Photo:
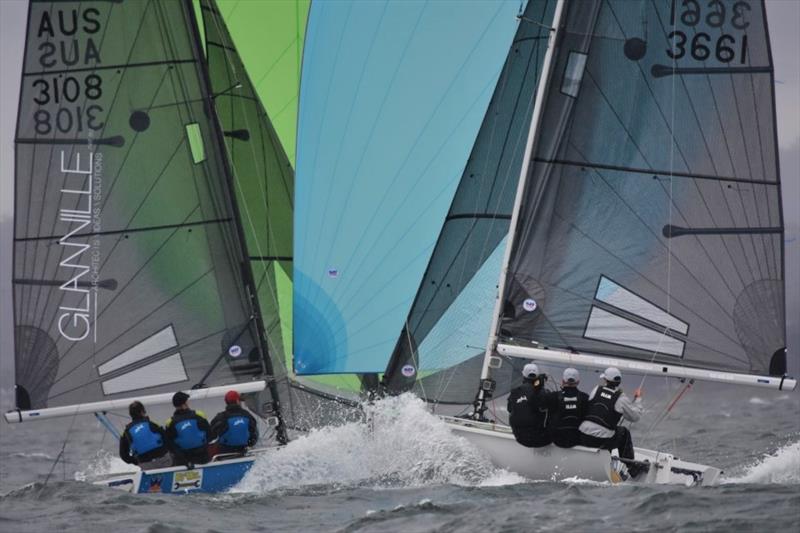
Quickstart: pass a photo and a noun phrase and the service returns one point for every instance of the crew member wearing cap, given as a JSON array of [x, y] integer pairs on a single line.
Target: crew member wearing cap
[[607, 406], [143, 442], [235, 428], [187, 432], [572, 405], [529, 407]]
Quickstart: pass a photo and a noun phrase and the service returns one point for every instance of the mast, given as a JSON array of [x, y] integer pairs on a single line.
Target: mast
[[246, 270], [533, 137]]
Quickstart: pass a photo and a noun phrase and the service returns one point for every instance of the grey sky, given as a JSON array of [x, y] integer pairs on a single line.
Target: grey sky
[[784, 19]]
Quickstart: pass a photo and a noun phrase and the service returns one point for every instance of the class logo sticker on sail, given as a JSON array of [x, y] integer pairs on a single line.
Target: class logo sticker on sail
[[235, 350], [529, 305], [408, 371]]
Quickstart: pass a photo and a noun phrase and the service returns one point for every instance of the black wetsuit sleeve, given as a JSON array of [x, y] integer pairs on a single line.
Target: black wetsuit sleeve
[[125, 448], [553, 401], [583, 402], [253, 431], [218, 426], [158, 429], [512, 400], [202, 423], [171, 435]]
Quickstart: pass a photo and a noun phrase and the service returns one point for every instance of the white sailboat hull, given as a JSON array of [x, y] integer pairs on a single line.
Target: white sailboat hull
[[554, 463]]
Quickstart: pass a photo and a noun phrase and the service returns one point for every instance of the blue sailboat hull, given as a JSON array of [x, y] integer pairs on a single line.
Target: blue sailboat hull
[[216, 476]]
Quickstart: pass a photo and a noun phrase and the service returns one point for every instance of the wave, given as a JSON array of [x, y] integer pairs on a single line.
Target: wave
[[780, 467], [400, 445], [101, 464]]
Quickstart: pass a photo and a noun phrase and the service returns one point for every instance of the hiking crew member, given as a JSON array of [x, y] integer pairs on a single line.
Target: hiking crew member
[[187, 432], [235, 428], [529, 407], [143, 443], [607, 406], [572, 405]]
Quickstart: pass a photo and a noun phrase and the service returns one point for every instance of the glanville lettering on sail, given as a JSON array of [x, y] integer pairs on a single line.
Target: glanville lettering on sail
[[75, 320]]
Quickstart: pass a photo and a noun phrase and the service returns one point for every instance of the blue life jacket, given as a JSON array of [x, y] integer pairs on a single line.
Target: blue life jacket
[[143, 439], [188, 434], [237, 433]]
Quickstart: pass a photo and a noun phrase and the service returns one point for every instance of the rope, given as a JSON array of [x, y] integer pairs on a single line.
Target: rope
[[668, 409]]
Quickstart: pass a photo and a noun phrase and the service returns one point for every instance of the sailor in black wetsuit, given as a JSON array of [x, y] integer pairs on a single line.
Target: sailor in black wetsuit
[[572, 404], [235, 428], [607, 406], [187, 432], [529, 407], [143, 443]]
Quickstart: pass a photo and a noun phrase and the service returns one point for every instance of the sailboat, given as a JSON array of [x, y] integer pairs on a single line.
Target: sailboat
[[153, 218], [646, 231]]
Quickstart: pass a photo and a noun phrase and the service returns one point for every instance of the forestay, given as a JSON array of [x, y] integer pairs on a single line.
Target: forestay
[[392, 97], [441, 345], [127, 261], [651, 224]]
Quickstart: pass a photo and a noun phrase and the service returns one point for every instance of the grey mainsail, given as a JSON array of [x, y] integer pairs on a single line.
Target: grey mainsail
[[440, 349], [128, 273], [651, 225]]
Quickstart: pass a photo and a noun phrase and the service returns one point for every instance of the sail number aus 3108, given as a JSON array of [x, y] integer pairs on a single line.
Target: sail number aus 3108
[[714, 14], [64, 91]]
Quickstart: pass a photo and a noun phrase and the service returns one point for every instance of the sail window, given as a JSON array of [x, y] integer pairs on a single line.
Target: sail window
[[196, 142], [607, 327], [573, 74], [156, 343], [618, 296], [163, 372]]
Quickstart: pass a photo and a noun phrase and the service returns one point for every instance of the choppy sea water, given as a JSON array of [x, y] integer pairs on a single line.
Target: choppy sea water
[[405, 472]]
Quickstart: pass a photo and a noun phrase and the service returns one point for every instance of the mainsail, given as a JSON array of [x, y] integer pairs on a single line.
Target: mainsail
[[445, 333], [651, 225], [128, 260], [392, 97]]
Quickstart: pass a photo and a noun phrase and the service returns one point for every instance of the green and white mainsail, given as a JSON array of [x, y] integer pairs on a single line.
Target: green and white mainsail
[[392, 98], [443, 339], [130, 275]]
